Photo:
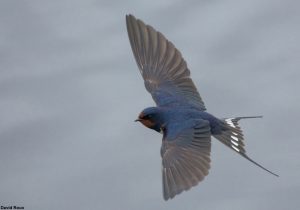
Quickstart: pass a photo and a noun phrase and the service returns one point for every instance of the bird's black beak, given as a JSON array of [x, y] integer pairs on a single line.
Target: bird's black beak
[[137, 120]]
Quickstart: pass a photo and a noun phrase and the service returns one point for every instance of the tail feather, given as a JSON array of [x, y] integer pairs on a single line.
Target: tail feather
[[232, 136]]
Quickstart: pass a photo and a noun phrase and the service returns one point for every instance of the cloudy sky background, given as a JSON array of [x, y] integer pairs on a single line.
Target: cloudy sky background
[[70, 90]]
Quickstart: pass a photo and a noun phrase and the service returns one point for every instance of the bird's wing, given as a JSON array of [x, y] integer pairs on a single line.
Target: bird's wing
[[164, 70], [185, 157]]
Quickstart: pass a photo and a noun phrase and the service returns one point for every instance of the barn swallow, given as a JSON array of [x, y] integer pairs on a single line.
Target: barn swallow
[[180, 114]]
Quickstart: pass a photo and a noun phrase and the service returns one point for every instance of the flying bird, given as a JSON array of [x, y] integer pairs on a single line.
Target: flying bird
[[180, 114]]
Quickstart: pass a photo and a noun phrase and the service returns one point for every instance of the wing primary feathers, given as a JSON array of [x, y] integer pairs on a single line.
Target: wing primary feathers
[[162, 66], [185, 159]]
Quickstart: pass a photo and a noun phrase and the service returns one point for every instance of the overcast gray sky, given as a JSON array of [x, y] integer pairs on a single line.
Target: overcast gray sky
[[70, 90]]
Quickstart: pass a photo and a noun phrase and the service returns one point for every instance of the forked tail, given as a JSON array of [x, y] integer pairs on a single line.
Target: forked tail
[[232, 136]]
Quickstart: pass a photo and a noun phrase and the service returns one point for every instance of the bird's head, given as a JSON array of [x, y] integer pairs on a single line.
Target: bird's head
[[151, 118]]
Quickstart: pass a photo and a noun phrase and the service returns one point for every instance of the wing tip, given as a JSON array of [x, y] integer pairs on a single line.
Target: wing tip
[[130, 19], [129, 16]]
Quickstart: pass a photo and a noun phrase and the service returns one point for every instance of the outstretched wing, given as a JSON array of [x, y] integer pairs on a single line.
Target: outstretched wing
[[185, 157], [164, 70]]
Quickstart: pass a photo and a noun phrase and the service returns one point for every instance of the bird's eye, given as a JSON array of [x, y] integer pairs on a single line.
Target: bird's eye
[[149, 116]]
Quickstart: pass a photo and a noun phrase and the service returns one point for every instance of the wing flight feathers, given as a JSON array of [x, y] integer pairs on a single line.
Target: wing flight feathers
[[164, 71]]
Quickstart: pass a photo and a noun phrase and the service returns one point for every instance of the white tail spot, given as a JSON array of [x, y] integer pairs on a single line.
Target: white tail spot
[[234, 133], [229, 122], [234, 138], [235, 148], [235, 143]]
